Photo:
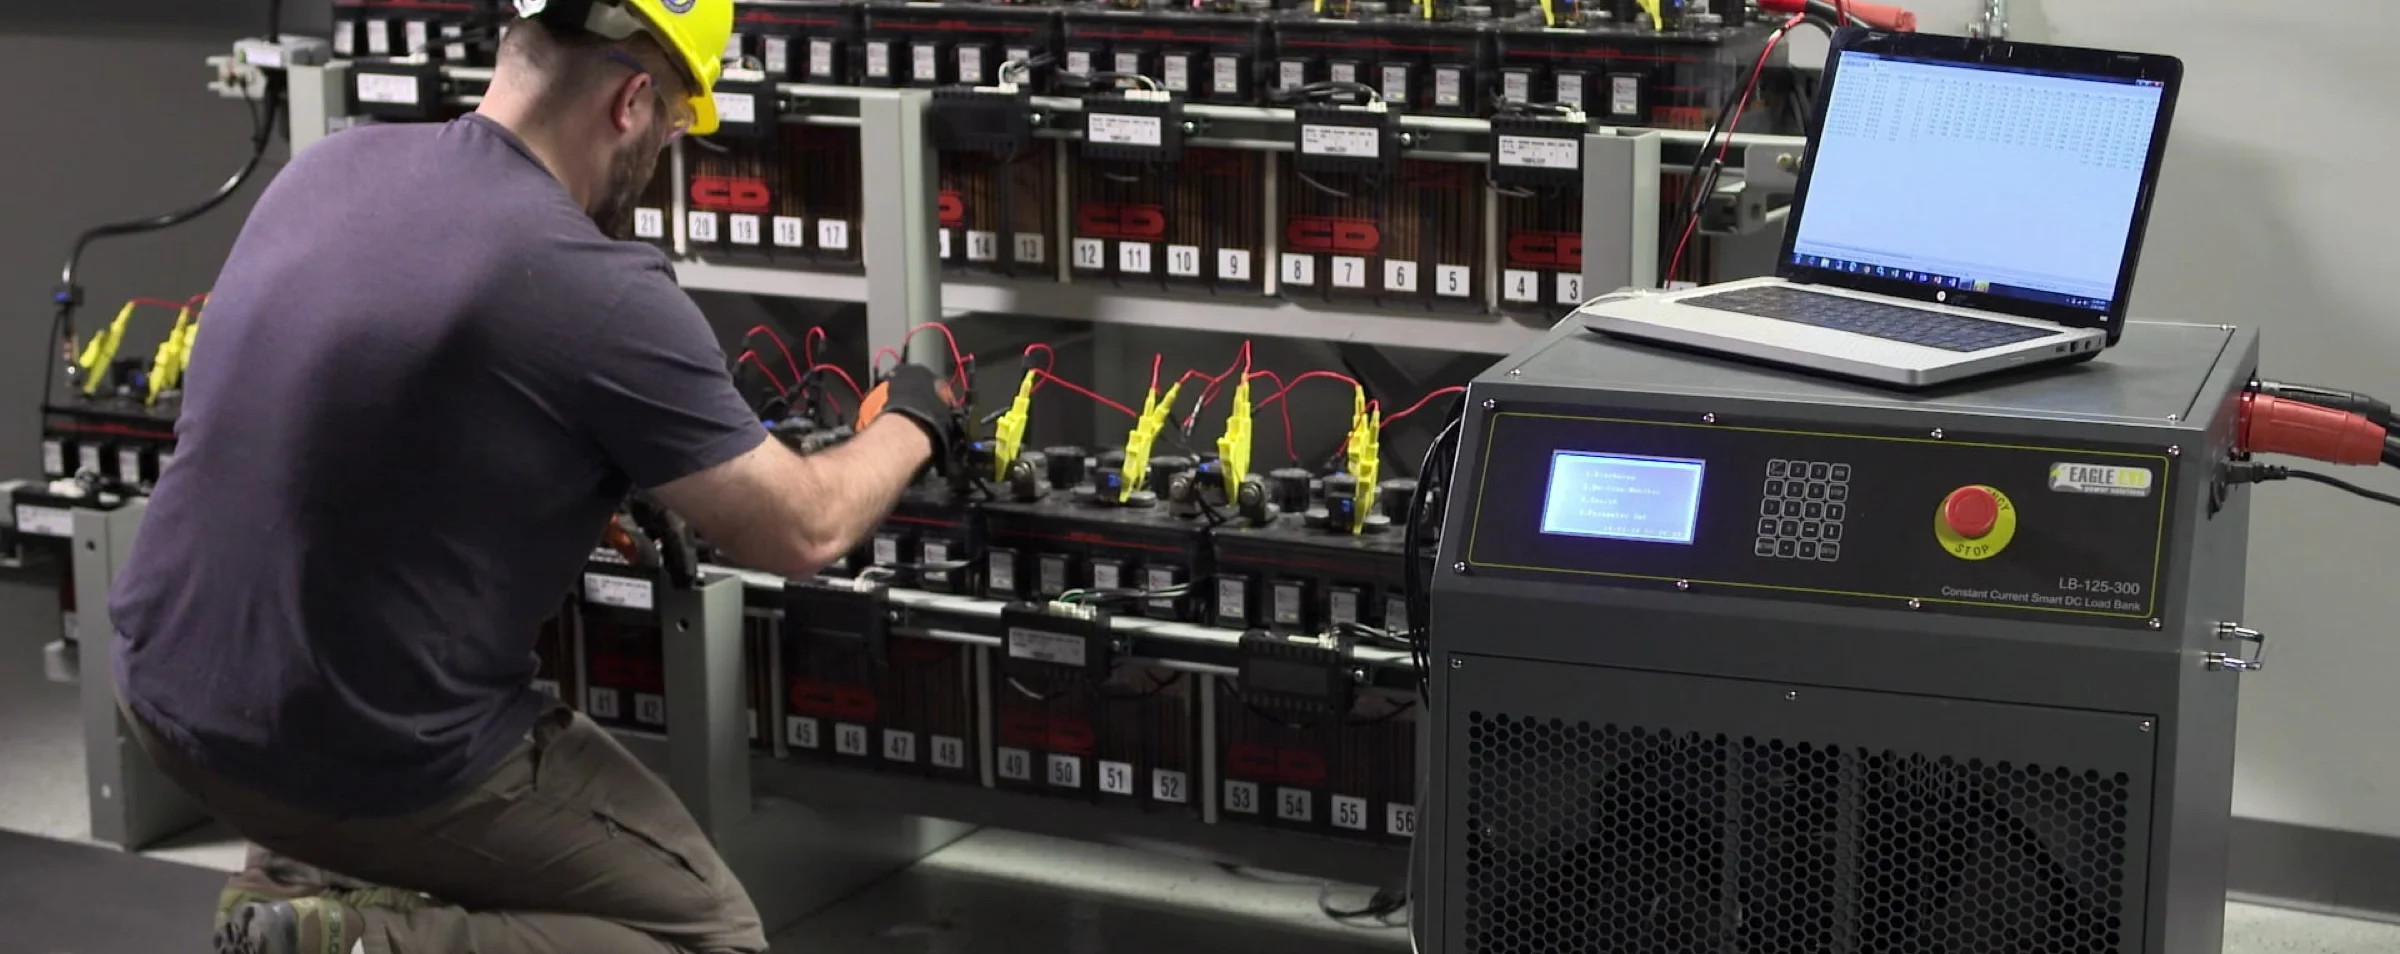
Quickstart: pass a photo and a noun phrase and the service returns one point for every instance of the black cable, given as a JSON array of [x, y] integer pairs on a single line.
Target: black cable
[[2391, 451], [1694, 192], [1384, 903], [2341, 485], [1432, 478]]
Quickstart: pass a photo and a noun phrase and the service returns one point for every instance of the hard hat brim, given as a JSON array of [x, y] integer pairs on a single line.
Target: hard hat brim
[[704, 115]]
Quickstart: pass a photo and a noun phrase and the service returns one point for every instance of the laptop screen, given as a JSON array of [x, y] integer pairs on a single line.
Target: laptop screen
[[2010, 182]]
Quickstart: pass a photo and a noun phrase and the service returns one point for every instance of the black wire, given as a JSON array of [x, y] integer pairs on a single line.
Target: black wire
[[2391, 451], [1414, 585], [1694, 191], [2343, 485], [1384, 903]]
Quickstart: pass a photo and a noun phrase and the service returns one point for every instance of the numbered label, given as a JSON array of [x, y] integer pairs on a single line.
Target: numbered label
[[983, 246], [1107, 575], [1299, 269], [1001, 574], [1570, 289], [1295, 805], [1400, 820], [1400, 277], [1183, 261], [129, 465], [1453, 281], [379, 38], [1232, 602], [899, 746], [1116, 778], [605, 590], [820, 59], [1350, 812], [800, 732], [1066, 771], [419, 37], [650, 223], [945, 253], [1241, 797], [949, 752], [887, 550], [849, 739], [1169, 786], [1016, 765], [1091, 254], [776, 55], [1521, 285], [700, 226], [1031, 250], [387, 88], [744, 229], [1133, 258], [1349, 271], [1233, 264], [649, 708], [790, 232], [602, 703], [833, 235], [547, 687]]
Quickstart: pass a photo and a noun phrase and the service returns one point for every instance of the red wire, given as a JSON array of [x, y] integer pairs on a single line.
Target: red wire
[[196, 300], [161, 303], [1692, 222], [815, 334], [1421, 402], [779, 346], [1045, 349], [844, 375], [752, 357], [1079, 389], [1155, 358], [1841, 13], [1287, 389], [958, 362], [1288, 449]]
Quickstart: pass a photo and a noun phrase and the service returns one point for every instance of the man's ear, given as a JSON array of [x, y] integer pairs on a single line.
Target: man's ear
[[632, 94]]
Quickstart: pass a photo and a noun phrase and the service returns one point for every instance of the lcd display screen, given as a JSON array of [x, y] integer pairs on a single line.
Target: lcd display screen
[[1620, 497]]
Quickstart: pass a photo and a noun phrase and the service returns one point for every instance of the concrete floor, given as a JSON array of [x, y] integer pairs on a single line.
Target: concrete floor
[[993, 893]]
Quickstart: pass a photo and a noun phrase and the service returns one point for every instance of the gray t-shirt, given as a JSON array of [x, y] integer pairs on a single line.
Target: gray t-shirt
[[424, 380]]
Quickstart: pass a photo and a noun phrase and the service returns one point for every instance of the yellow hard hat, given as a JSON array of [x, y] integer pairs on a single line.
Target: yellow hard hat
[[694, 32]]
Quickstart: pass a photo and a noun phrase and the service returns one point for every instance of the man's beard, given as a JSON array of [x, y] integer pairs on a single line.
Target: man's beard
[[629, 173]]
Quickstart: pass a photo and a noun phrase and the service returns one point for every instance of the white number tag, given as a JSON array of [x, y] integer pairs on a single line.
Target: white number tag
[[945, 253], [1400, 276], [1183, 261], [1133, 257], [1570, 289], [1066, 771], [949, 752], [743, 228], [1091, 253], [776, 52], [820, 59], [833, 235], [1349, 271], [1453, 281], [899, 746], [1030, 248], [650, 223], [129, 465], [887, 550], [617, 591], [1295, 804], [379, 38], [1350, 812], [1521, 285], [419, 37], [601, 703], [700, 226], [387, 88], [649, 708], [1016, 765], [983, 246], [800, 732], [1299, 269], [1116, 778], [1400, 820], [1241, 797], [790, 232], [1231, 597], [1233, 264], [1167, 786], [849, 739]]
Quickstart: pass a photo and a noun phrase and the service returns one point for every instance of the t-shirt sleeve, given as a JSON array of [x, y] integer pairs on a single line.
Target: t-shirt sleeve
[[655, 392]]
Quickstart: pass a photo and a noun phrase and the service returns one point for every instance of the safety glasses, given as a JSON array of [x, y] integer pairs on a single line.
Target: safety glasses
[[677, 110]]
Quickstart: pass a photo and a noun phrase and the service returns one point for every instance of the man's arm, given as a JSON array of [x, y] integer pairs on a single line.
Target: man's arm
[[781, 512]]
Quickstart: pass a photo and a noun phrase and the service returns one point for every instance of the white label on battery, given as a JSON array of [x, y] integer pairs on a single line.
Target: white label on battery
[[1299, 268], [606, 590], [1002, 573], [1625, 96], [791, 231], [1395, 613], [600, 702], [800, 732], [1107, 575], [733, 48], [379, 38], [849, 739], [833, 235], [1342, 73], [54, 458], [935, 551], [1539, 152], [879, 59], [775, 54], [924, 62], [1118, 129], [1169, 786], [1133, 258], [1183, 261], [1400, 276], [970, 64], [1519, 284], [700, 226], [1453, 281], [1039, 646], [1288, 604], [87, 459], [1241, 797], [1225, 75], [1292, 74], [820, 59], [1349, 271], [649, 708], [1175, 72], [45, 521], [1570, 288], [129, 465], [1350, 811], [1231, 595], [743, 229], [1016, 765], [387, 88], [1395, 85], [1233, 264], [899, 745], [1031, 249], [949, 752], [1341, 606], [1066, 771], [1400, 820], [1295, 804], [1091, 253], [419, 37], [1129, 63], [547, 687], [650, 223], [345, 38], [1517, 85], [1079, 61], [1356, 142], [1116, 778], [1447, 81], [1569, 89], [736, 108], [452, 34], [606, 555], [1160, 578], [1054, 574], [887, 549]]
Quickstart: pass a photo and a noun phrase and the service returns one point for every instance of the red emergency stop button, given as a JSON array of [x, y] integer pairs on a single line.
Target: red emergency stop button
[[1971, 512]]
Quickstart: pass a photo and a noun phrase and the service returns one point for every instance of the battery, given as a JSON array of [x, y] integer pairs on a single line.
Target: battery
[[651, 210], [624, 652], [1073, 721], [916, 44], [1675, 79], [800, 41], [1060, 543], [1449, 55], [1197, 224], [1414, 241], [817, 213], [558, 671], [731, 204], [1344, 767], [996, 213]]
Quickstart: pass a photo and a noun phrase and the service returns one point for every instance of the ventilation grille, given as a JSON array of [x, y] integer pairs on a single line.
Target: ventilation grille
[[1584, 837]]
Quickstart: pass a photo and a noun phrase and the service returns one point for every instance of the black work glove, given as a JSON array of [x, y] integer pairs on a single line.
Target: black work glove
[[913, 392]]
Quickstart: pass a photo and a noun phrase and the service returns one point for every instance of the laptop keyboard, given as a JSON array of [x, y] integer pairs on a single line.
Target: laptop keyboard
[[1915, 326]]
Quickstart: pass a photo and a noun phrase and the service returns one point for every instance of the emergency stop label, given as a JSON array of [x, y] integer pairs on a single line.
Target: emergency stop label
[[2101, 481]]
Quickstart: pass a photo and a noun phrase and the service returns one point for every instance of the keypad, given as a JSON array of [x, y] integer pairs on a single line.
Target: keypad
[[1801, 509]]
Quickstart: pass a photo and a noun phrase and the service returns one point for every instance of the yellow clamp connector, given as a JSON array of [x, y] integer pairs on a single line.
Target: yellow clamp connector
[[1145, 433], [174, 355], [102, 349], [1364, 455], [1233, 448], [1008, 436]]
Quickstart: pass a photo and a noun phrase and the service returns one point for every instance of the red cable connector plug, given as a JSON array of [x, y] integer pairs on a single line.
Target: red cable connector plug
[[2272, 425], [1877, 15]]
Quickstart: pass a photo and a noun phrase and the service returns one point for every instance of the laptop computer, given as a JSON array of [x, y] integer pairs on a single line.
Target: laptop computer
[[1967, 206]]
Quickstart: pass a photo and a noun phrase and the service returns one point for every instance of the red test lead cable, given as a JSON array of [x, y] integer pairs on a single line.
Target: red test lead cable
[[2273, 425]]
